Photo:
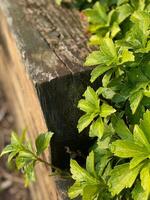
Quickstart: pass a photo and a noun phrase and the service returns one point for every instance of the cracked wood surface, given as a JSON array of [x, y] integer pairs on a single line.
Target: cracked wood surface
[[41, 70], [50, 38], [21, 95]]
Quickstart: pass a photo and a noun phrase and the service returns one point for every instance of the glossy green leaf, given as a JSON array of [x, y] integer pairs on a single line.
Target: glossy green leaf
[[122, 177], [97, 128], [86, 106], [107, 54], [23, 159], [138, 193], [15, 138], [123, 12], [137, 160], [98, 71], [81, 175], [97, 14], [122, 130], [145, 125], [135, 100], [90, 165], [140, 137], [8, 149], [42, 142], [75, 190], [84, 121], [91, 192], [126, 56], [106, 110], [106, 78], [127, 149], [145, 178], [91, 96]]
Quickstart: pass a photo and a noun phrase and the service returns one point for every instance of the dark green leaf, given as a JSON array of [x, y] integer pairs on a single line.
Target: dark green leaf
[[138, 193], [135, 100]]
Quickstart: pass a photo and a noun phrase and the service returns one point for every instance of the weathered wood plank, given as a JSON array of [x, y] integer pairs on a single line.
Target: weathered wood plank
[[44, 57], [21, 93]]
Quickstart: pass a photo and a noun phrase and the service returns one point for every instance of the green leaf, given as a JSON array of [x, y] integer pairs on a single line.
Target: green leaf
[[102, 164], [94, 58], [122, 177], [86, 106], [142, 18], [97, 128], [91, 192], [108, 93], [8, 149], [122, 130], [127, 149], [138, 193], [15, 138], [140, 138], [98, 71], [97, 14], [145, 178], [81, 175], [23, 159], [119, 2], [123, 12], [126, 56], [90, 165], [29, 173], [91, 96], [84, 121], [106, 78], [136, 160], [145, 124], [75, 190], [12, 155], [107, 54], [135, 100], [115, 29], [106, 110], [42, 142]]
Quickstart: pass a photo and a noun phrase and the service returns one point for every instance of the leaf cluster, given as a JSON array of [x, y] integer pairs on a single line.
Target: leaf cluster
[[120, 158], [25, 156]]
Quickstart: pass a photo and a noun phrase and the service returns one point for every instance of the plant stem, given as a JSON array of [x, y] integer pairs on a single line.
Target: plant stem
[[45, 162]]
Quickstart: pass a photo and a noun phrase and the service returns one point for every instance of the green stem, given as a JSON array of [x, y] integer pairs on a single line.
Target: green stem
[[45, 162]]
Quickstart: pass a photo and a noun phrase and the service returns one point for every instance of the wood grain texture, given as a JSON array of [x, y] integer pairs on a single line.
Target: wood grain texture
[[21, 95], [41, 67]]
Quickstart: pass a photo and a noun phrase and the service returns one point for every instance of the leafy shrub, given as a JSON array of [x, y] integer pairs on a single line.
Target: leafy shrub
[[117, 113], [118, 166]]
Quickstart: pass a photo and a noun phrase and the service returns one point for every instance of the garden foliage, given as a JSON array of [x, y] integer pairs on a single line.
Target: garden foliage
[[116, 113]]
